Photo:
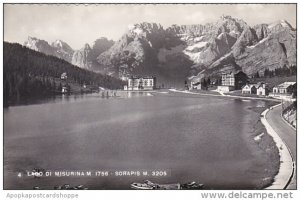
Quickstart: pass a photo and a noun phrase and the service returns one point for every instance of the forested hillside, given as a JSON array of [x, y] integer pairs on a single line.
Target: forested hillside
[[29, 74]]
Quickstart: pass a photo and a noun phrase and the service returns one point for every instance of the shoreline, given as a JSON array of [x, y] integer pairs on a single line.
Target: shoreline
[[258, 111], [286, 162], [287, 166], [224, 95]]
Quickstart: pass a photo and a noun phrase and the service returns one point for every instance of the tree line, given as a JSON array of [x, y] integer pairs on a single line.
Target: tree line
[[27, 74], [278, 72]]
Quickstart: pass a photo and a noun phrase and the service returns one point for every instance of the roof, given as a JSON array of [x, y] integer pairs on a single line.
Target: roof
[[256, 85], [259, 84], [232, 72], [144, 77], [198, 83], [286, 84], [227, 74], [195, 79], [237, 73], [265, 88], [250, 85]]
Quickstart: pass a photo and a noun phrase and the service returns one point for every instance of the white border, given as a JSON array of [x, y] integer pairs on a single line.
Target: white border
[[132, 195]]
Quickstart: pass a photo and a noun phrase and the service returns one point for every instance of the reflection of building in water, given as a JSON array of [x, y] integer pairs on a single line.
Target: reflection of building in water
[[141, 83], [64, 89]]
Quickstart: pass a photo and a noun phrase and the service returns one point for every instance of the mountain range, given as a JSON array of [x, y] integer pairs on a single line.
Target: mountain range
[[84, 58], [187, 51]]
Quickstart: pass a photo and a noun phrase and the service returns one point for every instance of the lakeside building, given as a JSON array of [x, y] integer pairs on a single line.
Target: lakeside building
[[259, 89], [284, 90], [232, 81], [64, 76], [262, 89], [248, 89], [141, 83], [196, 84]]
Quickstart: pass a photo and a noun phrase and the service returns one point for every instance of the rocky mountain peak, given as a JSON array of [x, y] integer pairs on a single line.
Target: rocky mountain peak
[[86, 57], [81, 58], [33, 42], [58, 48], [228, 24], [225, 17], [145, 26], [63, 50], [39, 45], [86, 47], [59, 44], [31, 39], [142, 30]]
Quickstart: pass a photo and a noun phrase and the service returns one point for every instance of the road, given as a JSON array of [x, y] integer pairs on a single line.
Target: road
[[286, 133], [224, 95]]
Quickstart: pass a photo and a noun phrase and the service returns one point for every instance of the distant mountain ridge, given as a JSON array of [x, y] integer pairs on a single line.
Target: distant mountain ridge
[[84, 58], [58, 48], [186, 51]]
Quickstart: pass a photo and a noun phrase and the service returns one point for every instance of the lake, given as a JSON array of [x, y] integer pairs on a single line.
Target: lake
[[189, 137]]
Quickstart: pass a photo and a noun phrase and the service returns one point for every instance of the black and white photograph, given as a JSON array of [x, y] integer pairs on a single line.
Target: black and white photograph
[[150, 96]]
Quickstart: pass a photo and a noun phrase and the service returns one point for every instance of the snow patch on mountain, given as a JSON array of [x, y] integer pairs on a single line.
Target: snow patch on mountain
[[197, 45], [195, 57], [255, 45]]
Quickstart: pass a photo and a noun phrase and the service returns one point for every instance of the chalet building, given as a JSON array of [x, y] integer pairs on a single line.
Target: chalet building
[[228, 79], [64, 76], [249, 89], [233, 81], [141, 83], [284, 88], [258, 89], [196, 84], [262, 89]]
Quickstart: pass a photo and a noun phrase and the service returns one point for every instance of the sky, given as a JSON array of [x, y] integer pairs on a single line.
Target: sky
[[80, 24]]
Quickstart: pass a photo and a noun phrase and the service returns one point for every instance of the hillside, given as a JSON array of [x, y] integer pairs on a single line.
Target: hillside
[[28, 74]]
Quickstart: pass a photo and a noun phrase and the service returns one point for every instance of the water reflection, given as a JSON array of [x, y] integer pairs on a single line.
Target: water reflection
[[68, 98]]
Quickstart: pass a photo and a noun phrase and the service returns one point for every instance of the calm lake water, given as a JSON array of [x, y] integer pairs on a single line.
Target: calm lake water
[[203, 139]]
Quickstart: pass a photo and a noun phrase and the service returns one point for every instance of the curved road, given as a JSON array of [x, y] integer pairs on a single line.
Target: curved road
[[287, 134]]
